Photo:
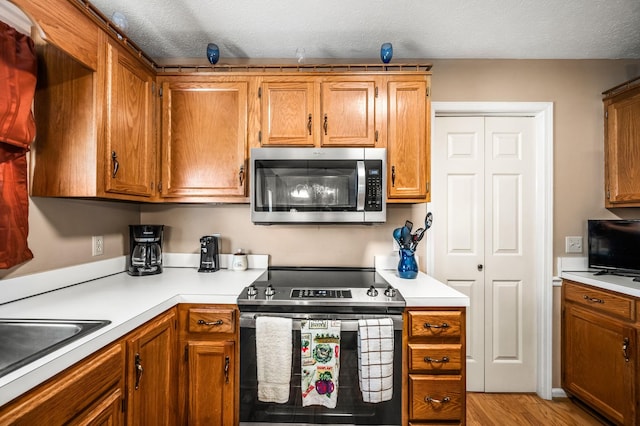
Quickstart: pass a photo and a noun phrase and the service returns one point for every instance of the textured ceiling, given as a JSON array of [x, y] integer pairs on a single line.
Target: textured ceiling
[[523, 29]]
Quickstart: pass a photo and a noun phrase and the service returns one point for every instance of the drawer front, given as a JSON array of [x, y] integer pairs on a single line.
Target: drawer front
[[435, 358], [435, 324], [603, 301], [436, 397], [211, 320]]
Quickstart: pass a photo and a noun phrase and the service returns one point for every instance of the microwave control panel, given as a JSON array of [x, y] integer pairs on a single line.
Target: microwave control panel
[[374, 196]]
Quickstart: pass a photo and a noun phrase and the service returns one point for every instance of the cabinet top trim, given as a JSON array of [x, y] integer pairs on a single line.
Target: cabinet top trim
[[288, 65], [620, 88]]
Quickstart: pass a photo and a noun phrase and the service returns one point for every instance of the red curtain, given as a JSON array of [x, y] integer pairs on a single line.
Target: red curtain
[[18, 75]]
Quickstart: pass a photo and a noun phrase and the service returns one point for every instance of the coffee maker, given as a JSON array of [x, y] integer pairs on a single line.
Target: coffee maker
[[209, 253], [145, 249]]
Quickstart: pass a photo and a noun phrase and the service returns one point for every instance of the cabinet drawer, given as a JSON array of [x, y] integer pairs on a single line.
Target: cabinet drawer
[[435, 358], [613, 304], [211, 320], [436, 397], [435, 324]]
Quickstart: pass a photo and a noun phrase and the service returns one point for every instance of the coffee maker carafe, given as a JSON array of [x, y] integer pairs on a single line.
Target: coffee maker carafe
[[145, 249]]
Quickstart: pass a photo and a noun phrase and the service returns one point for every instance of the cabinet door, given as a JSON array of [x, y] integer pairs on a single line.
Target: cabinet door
[[204, 139], [287, 113], [151, 373], [622, 150], [129, 136], [211, 386], [407, 141], [348, 113], [599, 364]]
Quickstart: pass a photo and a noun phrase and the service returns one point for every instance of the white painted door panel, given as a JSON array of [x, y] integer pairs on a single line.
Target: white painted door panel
[[483, 192]]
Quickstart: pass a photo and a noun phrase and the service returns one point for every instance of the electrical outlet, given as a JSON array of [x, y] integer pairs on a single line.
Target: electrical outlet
[[97, 245], [573, 245]]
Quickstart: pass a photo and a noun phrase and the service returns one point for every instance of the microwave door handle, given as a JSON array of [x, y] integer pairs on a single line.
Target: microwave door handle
[[362, 186]]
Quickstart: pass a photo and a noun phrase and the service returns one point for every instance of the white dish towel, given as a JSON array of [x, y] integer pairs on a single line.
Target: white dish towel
[[375, 359], [274, 347]]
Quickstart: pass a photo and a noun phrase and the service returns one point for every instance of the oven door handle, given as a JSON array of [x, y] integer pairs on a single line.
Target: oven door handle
[[248, 320]]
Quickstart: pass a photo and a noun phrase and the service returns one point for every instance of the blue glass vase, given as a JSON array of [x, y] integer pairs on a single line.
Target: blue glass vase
[[213, 53], [386, 52], [407, 266]]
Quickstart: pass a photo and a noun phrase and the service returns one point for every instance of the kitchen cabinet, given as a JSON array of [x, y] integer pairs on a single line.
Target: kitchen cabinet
[[88, 393], [209, 379], [599, 350], [408, 139], [129, 137], [326, 111], [95, 133], [434, 366], [622, 145], [151, 372], [204, 138]]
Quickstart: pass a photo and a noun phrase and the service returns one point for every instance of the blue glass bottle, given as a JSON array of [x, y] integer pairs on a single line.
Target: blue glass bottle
[[213, 53], [407, 266], [386, 52]]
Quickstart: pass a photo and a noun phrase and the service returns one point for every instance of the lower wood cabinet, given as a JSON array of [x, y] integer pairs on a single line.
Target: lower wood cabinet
[[600, 351], [88, 393], [209, 379], [434, 367], [151, 373]]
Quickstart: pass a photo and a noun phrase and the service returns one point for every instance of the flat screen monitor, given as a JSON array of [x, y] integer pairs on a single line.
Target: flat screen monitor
[[614, 246]]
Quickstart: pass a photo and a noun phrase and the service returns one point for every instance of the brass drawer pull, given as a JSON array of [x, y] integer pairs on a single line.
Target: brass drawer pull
[[441, 361], [593, 299], [444, 325], [203, 322], [429, 400]]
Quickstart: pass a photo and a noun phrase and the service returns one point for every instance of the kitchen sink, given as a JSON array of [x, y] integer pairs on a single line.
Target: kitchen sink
[[24, 340]]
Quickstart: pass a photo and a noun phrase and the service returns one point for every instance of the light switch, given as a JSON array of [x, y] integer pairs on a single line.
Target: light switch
[[573, 245]]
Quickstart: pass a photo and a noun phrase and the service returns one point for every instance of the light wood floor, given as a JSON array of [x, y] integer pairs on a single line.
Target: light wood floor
[[485, 409]]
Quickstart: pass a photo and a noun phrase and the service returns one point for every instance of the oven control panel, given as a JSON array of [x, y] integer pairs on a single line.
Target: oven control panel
[[311, 293]]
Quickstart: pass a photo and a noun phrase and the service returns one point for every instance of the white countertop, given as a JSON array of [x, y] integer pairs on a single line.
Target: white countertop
[[129, 302], [624, 285]]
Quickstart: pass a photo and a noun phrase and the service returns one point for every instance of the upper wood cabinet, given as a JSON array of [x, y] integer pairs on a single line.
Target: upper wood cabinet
[[204, 138], [328, 111], [408, 154], [129, 138], [622, 145]]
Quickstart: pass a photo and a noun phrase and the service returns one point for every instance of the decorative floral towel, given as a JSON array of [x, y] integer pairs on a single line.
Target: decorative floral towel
[[320, 361], [375, 359]]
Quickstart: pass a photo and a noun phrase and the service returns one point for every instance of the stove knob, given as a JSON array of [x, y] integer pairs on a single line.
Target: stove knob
[[372, 292], [390, 292], [269, 291], [252, 290]]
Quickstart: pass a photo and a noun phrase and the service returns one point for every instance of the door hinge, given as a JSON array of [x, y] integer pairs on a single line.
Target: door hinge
[[123, 405], [153, 88], [608, 194], [160, 91], [260, 136], [606, 114], [259, 92], [160, 186], [428, 91], [376, 136], [376, 92], [186, 353], [427, 187]]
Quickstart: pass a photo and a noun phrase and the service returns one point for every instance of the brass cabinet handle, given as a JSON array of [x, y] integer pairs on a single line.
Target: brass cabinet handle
[[309, 125], [226, 369], [139, 370], [116, 165], [241, 175], [438, 401], [592, 299], [393, 175], [625, 349], [444, 325], [325, 125], [444, 359], [217, 322]]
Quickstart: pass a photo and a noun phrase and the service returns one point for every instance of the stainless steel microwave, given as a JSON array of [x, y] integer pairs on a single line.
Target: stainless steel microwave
[[318, 185]]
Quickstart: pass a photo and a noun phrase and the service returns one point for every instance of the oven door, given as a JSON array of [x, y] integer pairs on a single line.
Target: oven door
[[350, 408]]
